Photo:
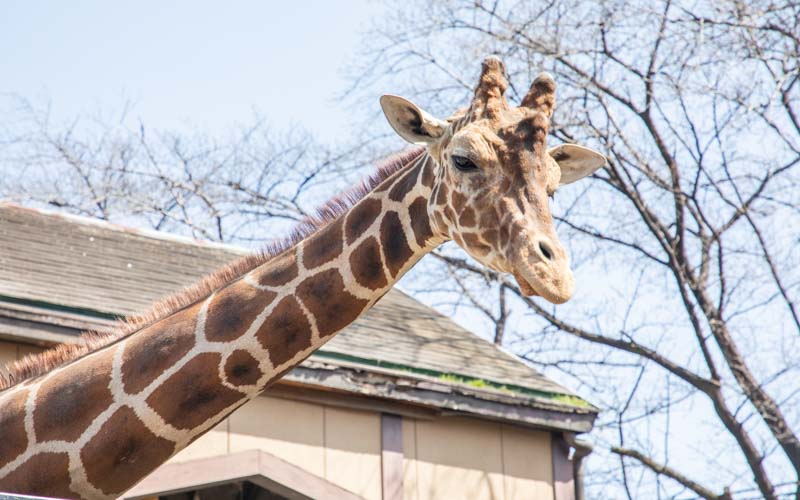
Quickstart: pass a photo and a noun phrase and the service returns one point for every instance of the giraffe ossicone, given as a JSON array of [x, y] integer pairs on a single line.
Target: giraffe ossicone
[[92, 420]]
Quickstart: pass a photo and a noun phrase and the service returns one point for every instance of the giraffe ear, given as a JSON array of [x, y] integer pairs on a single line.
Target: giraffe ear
[[410, 122], [576, 162]]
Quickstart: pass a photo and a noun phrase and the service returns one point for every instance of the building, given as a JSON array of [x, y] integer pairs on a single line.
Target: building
[[403, 404]]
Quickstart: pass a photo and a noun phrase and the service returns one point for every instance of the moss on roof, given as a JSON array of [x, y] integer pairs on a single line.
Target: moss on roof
[[457, 378]]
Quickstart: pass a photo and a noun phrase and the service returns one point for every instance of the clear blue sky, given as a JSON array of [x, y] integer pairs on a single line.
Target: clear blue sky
[[207, 65]]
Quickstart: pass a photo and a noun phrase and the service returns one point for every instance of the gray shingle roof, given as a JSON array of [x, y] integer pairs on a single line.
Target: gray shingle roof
[[105, 269]]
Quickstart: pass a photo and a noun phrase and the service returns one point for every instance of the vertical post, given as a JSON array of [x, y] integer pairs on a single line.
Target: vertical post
[[392, 456], [563, 474]]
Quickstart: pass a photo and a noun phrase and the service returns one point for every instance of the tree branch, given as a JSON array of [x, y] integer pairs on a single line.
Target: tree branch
[[671, 473]]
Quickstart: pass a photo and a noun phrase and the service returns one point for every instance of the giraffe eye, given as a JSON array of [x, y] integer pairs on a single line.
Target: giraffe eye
[[464, 164]]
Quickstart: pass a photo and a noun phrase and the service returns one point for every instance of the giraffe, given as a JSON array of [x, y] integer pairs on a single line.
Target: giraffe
[[93, 420]]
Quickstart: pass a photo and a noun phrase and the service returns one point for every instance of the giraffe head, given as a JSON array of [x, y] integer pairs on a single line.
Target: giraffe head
[[493, 175]]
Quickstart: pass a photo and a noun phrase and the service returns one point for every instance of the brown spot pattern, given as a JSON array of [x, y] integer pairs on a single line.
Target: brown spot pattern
[[458, 201], [489, 218], [278, 271], [68, 401], [449, 213], [148, 353], [475, 244], [393, 241], [325, 297], [491, 236], [122, 452], [361, 217], [233, 309], [404, 185], [241, 368], [420, 222], [441, 195], [427, 178], [324, 246], [193, 394], [12, 426], [467, 217], [385, 184], [366, 265], [439, 218], [285, 332], [44, 474]]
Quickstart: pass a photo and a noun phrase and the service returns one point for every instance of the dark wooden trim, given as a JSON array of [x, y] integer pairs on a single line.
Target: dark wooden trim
[[563, 473], [31, 333], [286, 388], [392, 456], [42, 327], [448, 399], [256, 466]]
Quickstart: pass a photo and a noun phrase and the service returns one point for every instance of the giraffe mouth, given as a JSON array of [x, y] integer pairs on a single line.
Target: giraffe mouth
[[525, 287], [553, 287]]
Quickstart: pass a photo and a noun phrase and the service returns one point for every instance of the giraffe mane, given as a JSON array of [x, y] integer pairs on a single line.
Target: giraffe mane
[[33, 365]]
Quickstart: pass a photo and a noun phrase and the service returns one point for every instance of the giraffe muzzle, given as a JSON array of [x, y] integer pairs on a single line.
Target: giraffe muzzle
[[542, 268]]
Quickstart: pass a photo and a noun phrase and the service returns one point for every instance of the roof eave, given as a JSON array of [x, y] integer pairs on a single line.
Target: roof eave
[[446, 399]]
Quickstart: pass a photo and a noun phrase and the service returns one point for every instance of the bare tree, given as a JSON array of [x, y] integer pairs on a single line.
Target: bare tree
[[686, 329], [246, 188]]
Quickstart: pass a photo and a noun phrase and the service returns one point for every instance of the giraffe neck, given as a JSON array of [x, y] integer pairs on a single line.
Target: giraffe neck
[[95, 427]]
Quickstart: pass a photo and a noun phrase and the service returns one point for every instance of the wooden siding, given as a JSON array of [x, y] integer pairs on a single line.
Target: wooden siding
[[442, 457], [466, 458]]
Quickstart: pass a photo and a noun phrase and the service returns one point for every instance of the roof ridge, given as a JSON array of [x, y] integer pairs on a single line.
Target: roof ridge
[[144, 232]]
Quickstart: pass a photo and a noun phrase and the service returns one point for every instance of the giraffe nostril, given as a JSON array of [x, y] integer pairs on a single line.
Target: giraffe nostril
[[548, 254]]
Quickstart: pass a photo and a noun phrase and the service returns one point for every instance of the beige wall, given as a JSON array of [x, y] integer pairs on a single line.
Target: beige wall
[[340, 445], [445, 458], [473, 459]]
